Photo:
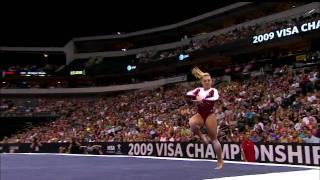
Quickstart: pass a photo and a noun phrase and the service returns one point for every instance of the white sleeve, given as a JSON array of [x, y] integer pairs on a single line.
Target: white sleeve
[[191, 93], [214, 97]]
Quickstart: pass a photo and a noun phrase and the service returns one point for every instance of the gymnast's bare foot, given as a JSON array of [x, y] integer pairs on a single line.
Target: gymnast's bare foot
[[219, 164]]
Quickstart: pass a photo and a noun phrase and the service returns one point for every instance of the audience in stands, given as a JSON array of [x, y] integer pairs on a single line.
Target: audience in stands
[[280, 107]]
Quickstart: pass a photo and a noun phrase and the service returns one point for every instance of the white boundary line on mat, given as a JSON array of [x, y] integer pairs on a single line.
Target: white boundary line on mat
[[292, 175], [169, 158]]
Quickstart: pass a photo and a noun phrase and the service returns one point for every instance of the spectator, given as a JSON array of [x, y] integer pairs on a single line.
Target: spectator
[[310, 138], [295, 138], [247, 149], [35, 145]]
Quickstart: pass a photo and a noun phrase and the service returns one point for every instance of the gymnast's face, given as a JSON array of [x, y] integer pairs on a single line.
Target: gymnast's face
[[206, 82]]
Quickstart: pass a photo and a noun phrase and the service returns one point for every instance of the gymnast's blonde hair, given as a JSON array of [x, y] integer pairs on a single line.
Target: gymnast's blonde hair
[[198, 73]]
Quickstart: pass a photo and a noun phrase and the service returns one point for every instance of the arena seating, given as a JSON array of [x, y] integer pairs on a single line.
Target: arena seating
[[279, 107]]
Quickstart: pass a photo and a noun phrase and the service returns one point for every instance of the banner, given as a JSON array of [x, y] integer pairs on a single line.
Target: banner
[[286, 32], [298, 154], [303, 154]]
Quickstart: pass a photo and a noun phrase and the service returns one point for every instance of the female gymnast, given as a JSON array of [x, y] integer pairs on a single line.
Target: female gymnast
[[204, 98]]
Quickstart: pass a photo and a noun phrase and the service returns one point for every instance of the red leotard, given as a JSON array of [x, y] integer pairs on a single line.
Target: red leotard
[[208, 97]]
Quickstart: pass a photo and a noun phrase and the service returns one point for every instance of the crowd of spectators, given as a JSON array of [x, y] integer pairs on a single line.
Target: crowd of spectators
[[31, 107], [281, 107]]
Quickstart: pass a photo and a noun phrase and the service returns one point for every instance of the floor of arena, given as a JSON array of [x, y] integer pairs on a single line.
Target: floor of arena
[[84, 167]]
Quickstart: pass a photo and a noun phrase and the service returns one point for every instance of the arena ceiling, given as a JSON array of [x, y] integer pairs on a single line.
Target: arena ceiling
[[55, 24]]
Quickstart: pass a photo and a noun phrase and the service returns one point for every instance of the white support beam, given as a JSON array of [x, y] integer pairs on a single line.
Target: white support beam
[[69, 52]]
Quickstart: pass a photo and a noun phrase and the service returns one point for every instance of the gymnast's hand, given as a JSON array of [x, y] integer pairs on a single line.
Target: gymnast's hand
[[198, 100]]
